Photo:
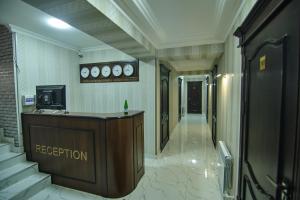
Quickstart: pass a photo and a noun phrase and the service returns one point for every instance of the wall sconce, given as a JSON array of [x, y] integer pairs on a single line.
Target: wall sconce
[[228, 75], [218, 75]]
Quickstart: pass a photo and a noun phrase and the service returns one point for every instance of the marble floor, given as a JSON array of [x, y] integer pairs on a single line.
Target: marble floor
[[185, 170]]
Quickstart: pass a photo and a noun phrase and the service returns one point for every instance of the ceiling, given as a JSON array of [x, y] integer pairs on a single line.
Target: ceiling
[[178, 23], [192, 58], [20, 14], [90, 18], [188, 34]]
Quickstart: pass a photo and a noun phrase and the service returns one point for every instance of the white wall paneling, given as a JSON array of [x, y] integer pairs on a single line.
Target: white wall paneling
[[229, 93], [42, 63], [173, 100]]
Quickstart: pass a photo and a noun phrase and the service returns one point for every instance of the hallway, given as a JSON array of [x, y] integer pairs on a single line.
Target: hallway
[[185, 170]]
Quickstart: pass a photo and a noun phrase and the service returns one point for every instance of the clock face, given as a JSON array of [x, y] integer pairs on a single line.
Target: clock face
[[128, 70], [105, 71], [84, 72], [95, 71], [117, 70]]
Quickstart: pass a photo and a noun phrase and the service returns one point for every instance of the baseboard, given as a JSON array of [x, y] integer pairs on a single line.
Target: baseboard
[[150, 156]]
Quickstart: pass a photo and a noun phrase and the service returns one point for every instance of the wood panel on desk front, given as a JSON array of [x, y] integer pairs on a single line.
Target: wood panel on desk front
[[57, 131], [138, 147], [119, 141], [62, 151], [112, 144]]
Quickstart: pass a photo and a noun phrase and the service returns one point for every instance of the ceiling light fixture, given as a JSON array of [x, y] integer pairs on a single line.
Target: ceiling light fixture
[[219, 75], [57, 23]]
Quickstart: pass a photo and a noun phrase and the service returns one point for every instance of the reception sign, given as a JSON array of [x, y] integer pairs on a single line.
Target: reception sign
[[64, 151]]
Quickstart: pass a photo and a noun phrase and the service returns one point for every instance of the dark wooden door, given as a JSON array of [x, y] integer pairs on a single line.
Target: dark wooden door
[[214, 106], [179, 99], [207, 84], [269, 103], [164, 106], [265, 90], [194, 97]]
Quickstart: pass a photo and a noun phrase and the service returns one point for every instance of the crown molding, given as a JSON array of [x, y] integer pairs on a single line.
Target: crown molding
[[120, 6], [152, 22], [192, 75], [97, 48], [26, 32], [234, 20], [192, 41], [219, 12], [146, 11]]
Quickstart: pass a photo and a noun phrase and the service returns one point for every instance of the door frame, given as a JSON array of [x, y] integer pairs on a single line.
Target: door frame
[[214, 105], [164, 74], [179, 99], [207, 99]]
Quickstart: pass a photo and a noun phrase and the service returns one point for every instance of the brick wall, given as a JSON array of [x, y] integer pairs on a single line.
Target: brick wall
[[8, 114]]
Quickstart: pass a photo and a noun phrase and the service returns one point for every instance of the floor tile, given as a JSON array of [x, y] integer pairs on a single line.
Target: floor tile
[[185, 170]]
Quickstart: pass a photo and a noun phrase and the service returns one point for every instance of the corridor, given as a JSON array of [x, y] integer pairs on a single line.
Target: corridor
[[185, 170]]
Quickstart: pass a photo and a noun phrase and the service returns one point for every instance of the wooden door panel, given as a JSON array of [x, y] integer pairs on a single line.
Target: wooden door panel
[[248, 189], [265, 91], [195, 97], [214, 105]]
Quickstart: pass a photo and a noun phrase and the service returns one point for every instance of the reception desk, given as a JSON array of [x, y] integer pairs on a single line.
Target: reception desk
[[96, 153]]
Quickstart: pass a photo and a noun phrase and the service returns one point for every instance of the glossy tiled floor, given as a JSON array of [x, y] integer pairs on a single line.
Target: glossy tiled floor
[[186, 169]]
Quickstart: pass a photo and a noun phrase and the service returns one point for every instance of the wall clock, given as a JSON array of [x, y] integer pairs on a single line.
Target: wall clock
[[105, 71], [128, 70], [117, 70], [95, 71], [84, 72]]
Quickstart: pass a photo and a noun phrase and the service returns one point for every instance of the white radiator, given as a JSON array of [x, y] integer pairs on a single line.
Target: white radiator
[[224, 168]]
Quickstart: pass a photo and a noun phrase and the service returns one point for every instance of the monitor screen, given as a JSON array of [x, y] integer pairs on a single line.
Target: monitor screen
[[51, 97]]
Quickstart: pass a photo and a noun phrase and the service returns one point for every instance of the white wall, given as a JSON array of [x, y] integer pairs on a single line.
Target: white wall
[[229, 93], [204, 91], [109, 97], [209, 104], [173, 100], [42, 63]]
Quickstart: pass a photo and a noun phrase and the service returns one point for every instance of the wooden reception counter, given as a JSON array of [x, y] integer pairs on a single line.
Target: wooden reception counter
[[97, 153]]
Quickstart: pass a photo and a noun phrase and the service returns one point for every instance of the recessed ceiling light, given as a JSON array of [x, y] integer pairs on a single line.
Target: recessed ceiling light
[[57, 23]]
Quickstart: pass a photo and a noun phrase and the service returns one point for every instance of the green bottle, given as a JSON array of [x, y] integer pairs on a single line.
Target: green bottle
[[126, 107]]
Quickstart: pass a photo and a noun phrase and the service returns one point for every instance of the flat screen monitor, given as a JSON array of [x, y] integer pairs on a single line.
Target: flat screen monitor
[[51, 97]]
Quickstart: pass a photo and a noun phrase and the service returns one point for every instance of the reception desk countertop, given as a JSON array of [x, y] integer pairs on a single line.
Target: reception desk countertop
[[117, 115]]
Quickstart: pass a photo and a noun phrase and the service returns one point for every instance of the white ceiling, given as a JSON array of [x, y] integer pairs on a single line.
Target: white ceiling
[[192, 58], [178, 28], [178, 23], [20, 14]]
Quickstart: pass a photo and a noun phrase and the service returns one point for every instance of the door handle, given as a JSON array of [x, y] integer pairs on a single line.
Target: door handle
[[284, 187], [285, 192]]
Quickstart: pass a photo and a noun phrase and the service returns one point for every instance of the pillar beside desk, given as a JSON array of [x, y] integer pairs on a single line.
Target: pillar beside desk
[[101, 154]]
